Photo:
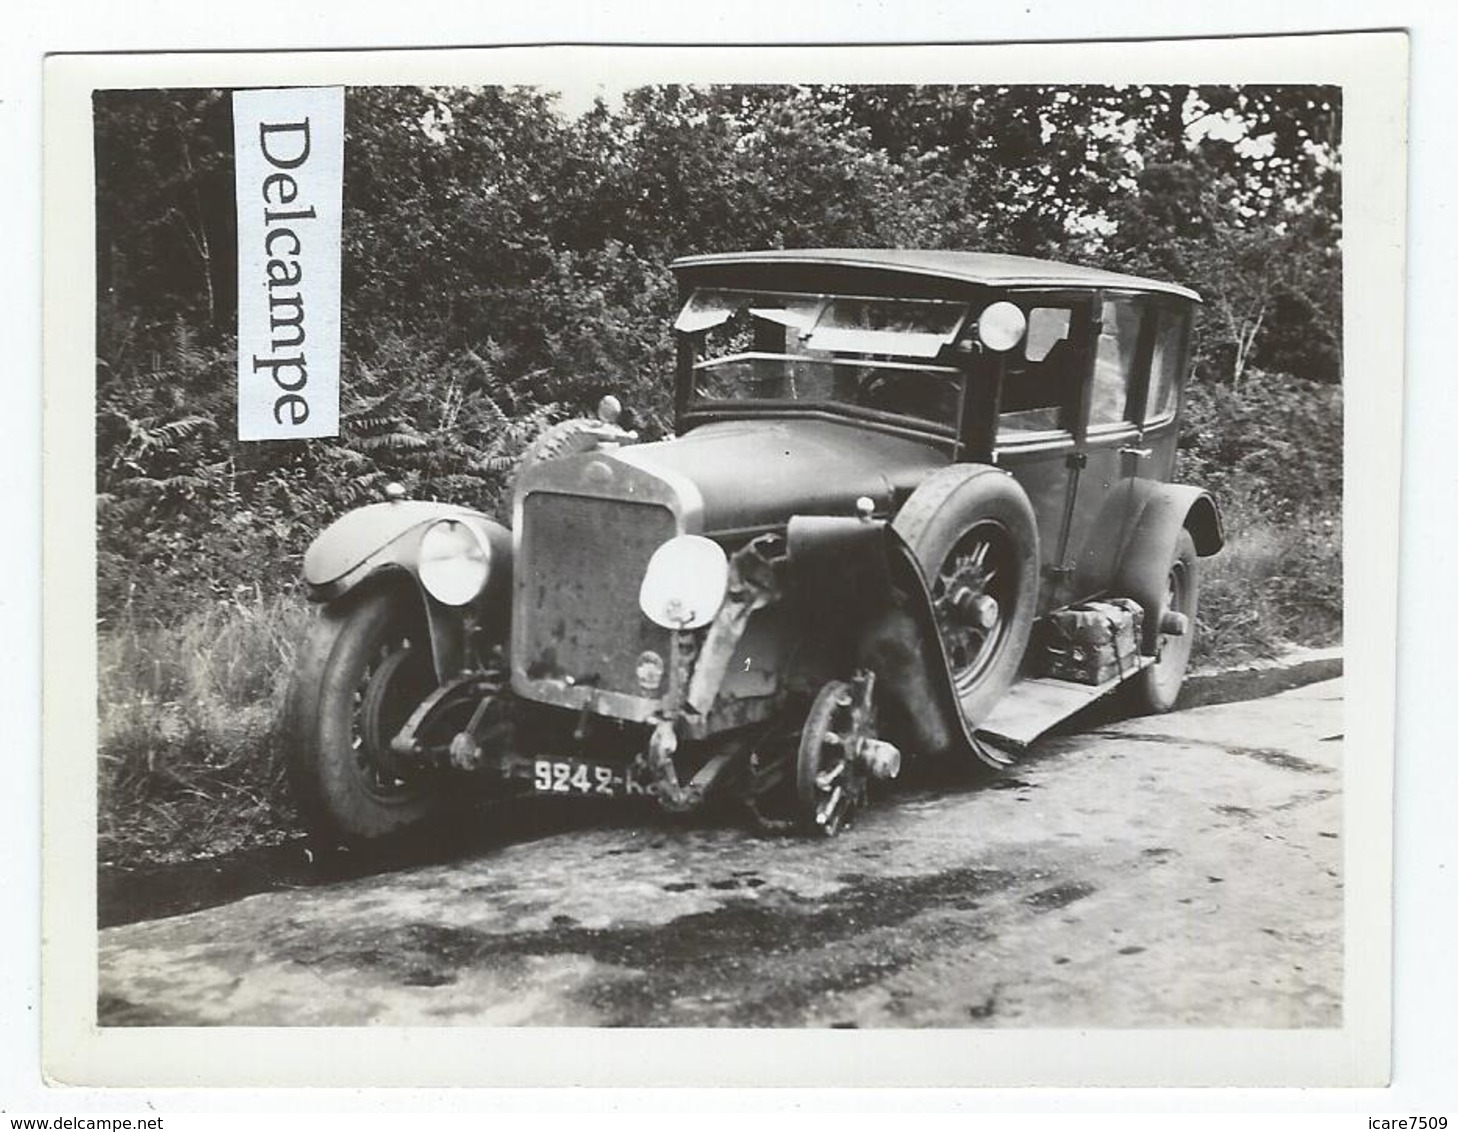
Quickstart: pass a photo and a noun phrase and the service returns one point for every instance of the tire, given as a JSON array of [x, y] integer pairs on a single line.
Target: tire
[[364, 668], [565, 438], [1157, 687], [974, 535]]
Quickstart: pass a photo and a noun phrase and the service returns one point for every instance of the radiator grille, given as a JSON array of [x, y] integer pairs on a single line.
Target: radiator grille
[[576, 612]]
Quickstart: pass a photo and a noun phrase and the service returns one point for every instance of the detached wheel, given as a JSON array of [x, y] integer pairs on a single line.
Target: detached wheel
[[829, 784], [974, 535], [364, 668], [1157, 687]]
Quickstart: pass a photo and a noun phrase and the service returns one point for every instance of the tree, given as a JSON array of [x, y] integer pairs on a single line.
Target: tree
[[164, 205], [1249, 216]]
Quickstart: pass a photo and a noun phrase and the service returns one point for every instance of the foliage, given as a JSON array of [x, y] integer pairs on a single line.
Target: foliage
[[1273, 446], [164, 183], [185, 512], [504, 266]]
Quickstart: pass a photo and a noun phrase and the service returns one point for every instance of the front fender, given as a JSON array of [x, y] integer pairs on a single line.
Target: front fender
[[840, 571], [864, 596], [380, 542]]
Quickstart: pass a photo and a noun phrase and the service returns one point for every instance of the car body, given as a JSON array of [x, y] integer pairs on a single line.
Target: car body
[[896, 476]]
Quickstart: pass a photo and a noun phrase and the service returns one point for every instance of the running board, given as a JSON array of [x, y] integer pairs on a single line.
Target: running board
[[1035, 705]]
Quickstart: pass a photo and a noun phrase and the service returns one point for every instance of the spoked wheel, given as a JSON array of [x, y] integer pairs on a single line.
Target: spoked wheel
[[973, 595], [975, 539], [830, 780], [1158, 687], [362, 672]]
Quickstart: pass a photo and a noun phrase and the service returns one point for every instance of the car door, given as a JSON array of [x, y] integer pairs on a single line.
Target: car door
[[1039, 406], [1110, 448]]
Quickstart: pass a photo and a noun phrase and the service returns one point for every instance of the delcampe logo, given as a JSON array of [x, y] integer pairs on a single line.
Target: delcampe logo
[[289, 161]]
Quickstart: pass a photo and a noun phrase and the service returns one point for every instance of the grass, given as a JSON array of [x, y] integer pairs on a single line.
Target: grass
[[189, 759], [191, 765], [1273, 585]]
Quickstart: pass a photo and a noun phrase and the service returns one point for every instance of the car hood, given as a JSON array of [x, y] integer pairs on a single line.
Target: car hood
[[756, 473]]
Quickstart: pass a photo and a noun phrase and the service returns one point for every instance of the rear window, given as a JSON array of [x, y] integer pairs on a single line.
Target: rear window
[[1118, 347], [1168, 356]]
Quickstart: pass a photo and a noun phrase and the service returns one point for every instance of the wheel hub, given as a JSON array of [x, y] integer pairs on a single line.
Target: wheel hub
[[839, 751], [979, 610], [389, 688], [968, 595]]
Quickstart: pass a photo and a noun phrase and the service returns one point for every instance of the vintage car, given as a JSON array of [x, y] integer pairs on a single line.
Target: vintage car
[[916, 506]]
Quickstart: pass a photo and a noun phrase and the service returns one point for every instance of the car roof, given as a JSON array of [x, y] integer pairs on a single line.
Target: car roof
[[984, 268]]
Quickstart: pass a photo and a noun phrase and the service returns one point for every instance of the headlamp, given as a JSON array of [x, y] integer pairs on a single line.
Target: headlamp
[[454, 562], [684, 584], [1001, 326]]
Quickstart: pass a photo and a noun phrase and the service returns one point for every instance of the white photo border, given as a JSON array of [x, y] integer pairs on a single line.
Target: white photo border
[[1371, 68]]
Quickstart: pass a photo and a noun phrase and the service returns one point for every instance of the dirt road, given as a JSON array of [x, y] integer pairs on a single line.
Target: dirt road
[[1169, 871]]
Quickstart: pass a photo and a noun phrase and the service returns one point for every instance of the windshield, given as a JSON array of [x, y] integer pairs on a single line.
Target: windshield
[[874, 353]]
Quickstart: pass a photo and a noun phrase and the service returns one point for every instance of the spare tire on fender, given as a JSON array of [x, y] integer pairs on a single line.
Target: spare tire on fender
[[972, 531]]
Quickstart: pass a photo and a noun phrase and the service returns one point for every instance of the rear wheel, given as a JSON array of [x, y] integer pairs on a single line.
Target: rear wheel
[[365, 667], [1157, 687]]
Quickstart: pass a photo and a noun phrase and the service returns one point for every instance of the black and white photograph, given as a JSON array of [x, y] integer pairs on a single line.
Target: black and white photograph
[[619, 542]]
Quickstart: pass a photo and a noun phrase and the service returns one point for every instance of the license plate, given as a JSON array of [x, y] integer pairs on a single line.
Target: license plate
[[577, 776]]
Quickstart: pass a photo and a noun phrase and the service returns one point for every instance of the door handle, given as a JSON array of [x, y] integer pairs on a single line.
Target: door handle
[[1141, 453]]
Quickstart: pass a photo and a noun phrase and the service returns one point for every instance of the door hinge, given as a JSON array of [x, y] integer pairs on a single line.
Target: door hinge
[[1077, 460]]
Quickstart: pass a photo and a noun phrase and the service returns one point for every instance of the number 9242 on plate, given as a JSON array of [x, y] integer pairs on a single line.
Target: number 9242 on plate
[[577, 776]]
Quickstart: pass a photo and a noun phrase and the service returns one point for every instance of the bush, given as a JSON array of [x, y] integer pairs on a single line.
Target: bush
[[186, 514], [1271, 446], [1271, 453]]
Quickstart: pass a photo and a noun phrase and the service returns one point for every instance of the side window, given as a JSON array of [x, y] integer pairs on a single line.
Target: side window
[[1169, 342], [1113, 364], [1037, 391], [1047, 328]]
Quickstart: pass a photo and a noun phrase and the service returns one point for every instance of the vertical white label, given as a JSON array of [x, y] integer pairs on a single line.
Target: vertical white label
[[289, 160]]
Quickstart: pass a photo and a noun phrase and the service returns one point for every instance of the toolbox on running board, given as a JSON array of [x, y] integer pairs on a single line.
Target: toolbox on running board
[[1093, 642]]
